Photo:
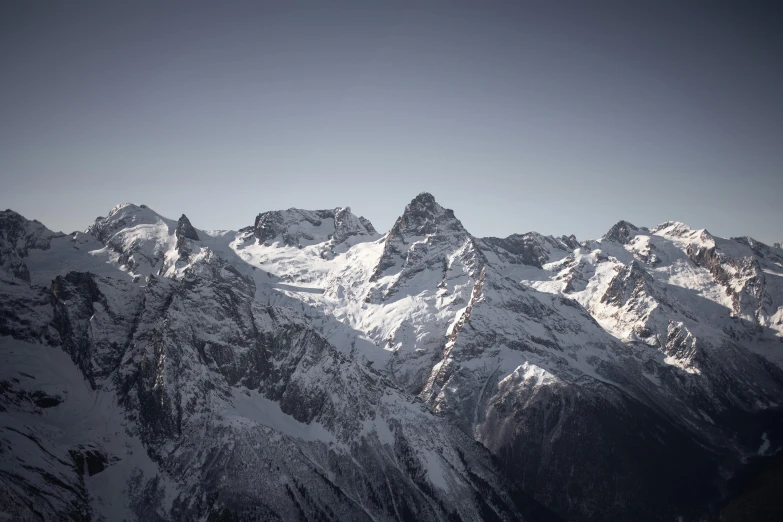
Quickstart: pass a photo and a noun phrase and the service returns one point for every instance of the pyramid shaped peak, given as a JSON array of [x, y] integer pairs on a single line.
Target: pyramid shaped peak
[[185, 229], [622, 232], [423, 216]]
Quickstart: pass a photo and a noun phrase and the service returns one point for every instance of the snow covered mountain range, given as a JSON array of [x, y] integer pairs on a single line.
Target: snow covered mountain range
[[308, 367]]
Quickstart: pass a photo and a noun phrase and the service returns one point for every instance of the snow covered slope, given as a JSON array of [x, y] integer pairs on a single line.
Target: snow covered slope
[[196, 398], [460, 331], [308, 367]]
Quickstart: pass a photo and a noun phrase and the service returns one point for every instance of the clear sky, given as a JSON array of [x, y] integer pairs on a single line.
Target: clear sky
[[520, 116]]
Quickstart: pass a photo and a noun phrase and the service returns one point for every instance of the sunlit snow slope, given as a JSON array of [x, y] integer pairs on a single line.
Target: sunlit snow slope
[[307, 366]]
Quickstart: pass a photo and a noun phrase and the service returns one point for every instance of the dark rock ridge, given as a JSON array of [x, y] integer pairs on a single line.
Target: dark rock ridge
[[184, 232], [622, 232], [367, 225], [17, 237], [631, 283], [531, 249], [296, 227]]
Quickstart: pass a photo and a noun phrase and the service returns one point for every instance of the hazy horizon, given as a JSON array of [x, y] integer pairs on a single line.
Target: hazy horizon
[[555, 119]]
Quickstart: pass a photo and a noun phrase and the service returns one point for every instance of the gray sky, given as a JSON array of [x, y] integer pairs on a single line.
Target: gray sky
[[532, 117]]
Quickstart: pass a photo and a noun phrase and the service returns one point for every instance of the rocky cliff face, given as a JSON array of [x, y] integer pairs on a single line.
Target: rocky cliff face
[[17, 237], [305, 367], [215, 404], [300, 228]]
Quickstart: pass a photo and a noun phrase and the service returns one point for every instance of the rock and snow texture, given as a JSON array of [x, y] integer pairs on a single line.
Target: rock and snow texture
[[307, 367], [198, 398], [300, 228], [17, 237]]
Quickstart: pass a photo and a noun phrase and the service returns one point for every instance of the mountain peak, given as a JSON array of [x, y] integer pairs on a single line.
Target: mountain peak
[[571, 241], [122, 216], [185, 230], [677, 229], [18, 235], [424, 216], [672, 226], [367, 225], [126, 208], [424, 199], [297, 227], [425, 202], [622, 232], [426, 235]]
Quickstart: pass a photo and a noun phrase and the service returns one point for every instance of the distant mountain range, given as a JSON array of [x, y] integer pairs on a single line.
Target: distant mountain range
[[306, 367]]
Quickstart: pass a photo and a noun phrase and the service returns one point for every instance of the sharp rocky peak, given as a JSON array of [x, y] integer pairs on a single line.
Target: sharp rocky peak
[[367, 225], [298, 227], [426, 235], [570, 241], [17, 236], [621, 232], [11, 220], [185, 230], [424, 216]]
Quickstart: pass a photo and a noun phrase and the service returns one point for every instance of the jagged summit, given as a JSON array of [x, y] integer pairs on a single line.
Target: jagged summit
[[18, 235], [570, 240], [301, 228], [10, 218], [185, 229], [185, 232], [426, 239], [367, 225], [424, 216], [424, 199], [8, 214], [630, 282], [532, 249], [621, 232]]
